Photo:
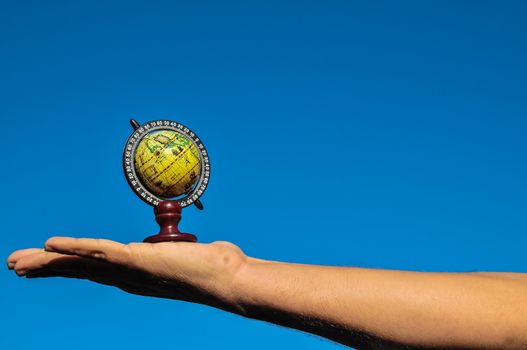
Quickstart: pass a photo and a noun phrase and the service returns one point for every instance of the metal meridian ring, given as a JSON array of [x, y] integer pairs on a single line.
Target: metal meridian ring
[[129, 164]]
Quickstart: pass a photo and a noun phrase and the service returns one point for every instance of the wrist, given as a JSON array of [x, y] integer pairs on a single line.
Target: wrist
[[244, 286], [226, 271]]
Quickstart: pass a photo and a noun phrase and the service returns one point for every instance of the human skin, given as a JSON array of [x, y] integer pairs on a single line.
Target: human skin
[[362, 308]]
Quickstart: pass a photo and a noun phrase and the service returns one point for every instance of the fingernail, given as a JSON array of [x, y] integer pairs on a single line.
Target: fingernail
[[21, 273], [10, 265]]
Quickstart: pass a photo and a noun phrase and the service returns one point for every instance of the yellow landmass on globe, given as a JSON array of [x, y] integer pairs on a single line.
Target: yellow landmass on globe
[[167, 163]]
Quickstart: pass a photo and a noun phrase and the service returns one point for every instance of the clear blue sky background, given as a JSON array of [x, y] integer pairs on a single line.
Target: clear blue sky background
[[376, 134]]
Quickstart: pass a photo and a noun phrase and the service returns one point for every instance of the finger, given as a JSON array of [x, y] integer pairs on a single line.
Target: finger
[[95, 271], [127, 287], [17, 255], [57, 262], [48, 273], [64, 265], [51, 264], [83, 268], [41, 260], [100, 249]]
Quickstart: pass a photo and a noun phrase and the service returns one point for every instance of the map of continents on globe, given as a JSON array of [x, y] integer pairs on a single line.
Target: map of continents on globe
[[167, 163]]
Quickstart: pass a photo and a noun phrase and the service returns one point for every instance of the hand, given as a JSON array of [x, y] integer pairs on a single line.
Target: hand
[[195, 272]]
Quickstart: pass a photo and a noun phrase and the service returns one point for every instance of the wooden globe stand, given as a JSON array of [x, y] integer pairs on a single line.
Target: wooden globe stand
[[168, 215]]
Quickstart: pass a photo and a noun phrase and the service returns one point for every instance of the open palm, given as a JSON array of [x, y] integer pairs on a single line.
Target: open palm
[[185, 271]]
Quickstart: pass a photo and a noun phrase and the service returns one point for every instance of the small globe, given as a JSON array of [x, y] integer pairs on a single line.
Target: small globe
[[167, 163]]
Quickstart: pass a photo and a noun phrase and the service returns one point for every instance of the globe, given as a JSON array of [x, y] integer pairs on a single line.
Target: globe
[[167, 163]]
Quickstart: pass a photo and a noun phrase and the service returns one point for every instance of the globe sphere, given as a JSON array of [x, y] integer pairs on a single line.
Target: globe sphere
[[167, 163]]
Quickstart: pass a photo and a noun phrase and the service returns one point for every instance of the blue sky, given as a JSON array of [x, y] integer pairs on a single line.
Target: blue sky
[[374, 134]]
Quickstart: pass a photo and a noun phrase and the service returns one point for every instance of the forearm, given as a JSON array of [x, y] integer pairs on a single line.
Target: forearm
[[369, 308]]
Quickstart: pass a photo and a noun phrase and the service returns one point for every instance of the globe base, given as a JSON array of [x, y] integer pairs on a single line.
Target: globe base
[[181, 237], [168, 215]]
